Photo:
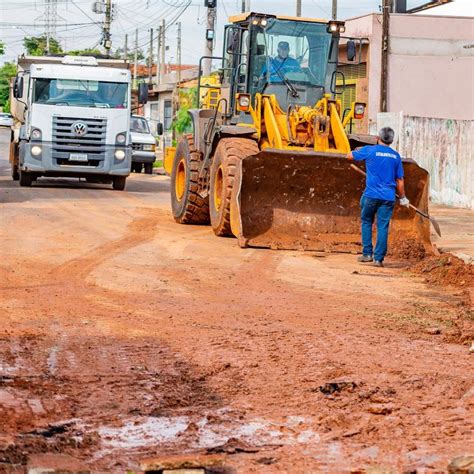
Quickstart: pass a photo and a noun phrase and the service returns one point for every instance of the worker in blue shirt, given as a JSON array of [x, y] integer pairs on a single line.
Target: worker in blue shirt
[[384, 181], [281, 64]]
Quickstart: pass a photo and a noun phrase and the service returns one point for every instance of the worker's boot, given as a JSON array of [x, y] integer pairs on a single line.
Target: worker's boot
[[364, 259], [378, 263]]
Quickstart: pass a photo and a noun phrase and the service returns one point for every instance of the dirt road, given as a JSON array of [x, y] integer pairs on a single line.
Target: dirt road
[[124, 337]]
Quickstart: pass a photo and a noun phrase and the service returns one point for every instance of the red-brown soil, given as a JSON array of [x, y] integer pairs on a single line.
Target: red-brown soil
[[446, 269], [125, 337]]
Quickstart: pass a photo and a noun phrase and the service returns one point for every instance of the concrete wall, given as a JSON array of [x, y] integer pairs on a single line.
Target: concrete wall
[[446, 149]]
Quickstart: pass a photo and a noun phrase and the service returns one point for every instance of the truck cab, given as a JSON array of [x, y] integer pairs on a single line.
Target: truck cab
[[72, 119]]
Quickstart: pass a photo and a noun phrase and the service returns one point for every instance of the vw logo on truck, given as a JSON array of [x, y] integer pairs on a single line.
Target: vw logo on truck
[[79, 128]]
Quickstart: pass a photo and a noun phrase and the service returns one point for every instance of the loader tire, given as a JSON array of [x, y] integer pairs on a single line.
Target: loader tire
[[228, 154], [14, 152], [187, 205]]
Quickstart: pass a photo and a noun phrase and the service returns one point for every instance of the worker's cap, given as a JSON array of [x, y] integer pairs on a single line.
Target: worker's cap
[[284, 45]]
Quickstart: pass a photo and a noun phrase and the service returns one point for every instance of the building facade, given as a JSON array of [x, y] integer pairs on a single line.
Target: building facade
[[430, 94]]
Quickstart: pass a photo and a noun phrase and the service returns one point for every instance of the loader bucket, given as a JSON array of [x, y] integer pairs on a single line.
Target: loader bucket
[[310, 201]]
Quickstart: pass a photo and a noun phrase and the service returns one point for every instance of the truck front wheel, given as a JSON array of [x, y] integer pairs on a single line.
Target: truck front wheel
[[25, 178], [15, 174], [119, 183]]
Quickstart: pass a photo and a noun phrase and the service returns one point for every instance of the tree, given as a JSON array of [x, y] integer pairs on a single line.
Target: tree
[[7, 71], [2, 48], [118, 54], [182, 120], [36, 45], [85, 52]]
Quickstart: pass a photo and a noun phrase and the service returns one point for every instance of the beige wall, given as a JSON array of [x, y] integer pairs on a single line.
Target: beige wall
[[431, 66], [369, 26]]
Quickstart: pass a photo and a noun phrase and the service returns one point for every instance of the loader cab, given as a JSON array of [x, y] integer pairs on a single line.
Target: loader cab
[[293, 59]]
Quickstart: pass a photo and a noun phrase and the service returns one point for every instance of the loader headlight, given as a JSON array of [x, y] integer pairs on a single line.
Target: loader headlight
[[244, 102], [359, 110], [336, 27], [36, 150], [119, 154]]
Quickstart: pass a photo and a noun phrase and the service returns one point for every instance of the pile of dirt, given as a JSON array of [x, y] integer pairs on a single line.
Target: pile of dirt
[[446, 269], [407, 249]]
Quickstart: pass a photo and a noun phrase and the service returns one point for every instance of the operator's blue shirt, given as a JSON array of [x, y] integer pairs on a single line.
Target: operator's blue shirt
[[384, 167], [279, 67]]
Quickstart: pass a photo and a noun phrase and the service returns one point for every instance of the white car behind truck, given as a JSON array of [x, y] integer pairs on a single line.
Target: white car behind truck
[[71, 119], [143, 145]]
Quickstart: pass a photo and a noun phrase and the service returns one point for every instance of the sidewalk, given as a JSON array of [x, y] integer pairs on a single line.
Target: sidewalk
[[457, 230]]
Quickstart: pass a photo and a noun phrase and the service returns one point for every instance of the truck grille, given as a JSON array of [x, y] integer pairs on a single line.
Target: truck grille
[[137, 146], [65, 141]]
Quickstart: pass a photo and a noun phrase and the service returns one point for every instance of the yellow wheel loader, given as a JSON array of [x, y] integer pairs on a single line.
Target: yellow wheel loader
[[266, 161]]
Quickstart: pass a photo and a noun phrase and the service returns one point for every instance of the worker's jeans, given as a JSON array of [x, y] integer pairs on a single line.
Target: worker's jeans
[[383, 210]]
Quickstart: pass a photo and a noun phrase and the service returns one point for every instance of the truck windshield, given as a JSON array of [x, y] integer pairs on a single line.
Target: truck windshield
[[80, 93], [139, 125], [292, 51]]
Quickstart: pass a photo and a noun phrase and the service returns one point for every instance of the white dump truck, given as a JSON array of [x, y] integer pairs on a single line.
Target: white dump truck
[[72, 119]]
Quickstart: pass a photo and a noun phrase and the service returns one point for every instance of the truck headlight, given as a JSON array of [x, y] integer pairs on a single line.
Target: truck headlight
[[119, 154], [36, 150], [149, 147], [36, 134], [121, 138]]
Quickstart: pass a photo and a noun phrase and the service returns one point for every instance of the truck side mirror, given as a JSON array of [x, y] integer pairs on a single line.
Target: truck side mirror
[[18, 87], [159, 128], [142, 93], [351, 50]]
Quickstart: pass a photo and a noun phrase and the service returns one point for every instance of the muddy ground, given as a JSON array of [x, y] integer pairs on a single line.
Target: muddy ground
[[125, 337]]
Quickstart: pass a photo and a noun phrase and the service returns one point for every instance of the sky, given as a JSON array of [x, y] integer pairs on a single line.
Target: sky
[[79, 27]]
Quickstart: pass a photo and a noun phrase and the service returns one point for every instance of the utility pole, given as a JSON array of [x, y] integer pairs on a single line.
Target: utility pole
[[125, 48], [334, 9], [106, 29], [163, 50], [244, 8], [135, 62], [211, 19], [386, 8], [178, 53], [150, 58], [158, 52], [298, 8], [50, 18]]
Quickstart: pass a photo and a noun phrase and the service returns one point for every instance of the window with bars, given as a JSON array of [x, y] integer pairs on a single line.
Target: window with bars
[[167, 114]]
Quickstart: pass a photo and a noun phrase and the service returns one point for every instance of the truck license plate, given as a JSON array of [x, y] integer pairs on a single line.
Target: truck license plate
[[78, 157]]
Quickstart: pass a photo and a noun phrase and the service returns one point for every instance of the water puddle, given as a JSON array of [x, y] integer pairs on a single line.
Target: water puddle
[[140, 432]]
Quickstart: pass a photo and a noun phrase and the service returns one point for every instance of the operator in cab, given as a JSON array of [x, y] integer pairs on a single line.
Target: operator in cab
[[384, 183], [281, 64]]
